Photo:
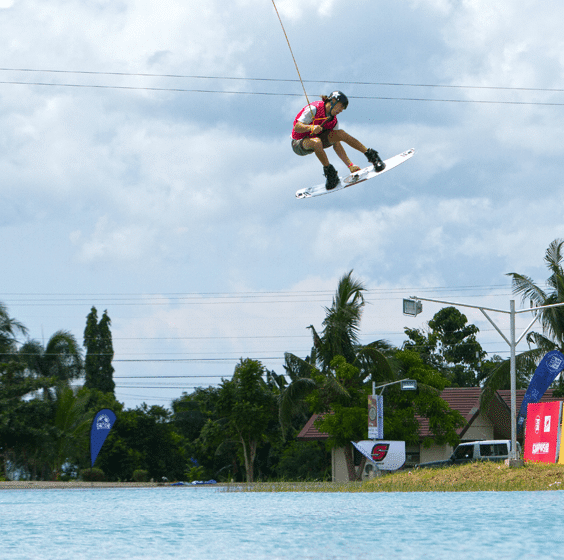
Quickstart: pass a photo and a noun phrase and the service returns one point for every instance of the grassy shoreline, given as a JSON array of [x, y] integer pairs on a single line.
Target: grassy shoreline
[[474, 477]]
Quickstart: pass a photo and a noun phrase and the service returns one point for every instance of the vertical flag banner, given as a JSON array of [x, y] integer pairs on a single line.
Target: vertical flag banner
[[543, 431], [101, 425], [551, 365], [376, 417]]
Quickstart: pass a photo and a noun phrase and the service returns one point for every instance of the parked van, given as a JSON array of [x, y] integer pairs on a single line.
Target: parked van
[[488, 450]]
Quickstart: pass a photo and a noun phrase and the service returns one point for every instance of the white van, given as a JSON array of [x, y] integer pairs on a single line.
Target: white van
[[488, 450]]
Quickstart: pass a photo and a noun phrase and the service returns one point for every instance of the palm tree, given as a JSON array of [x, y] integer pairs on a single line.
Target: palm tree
[[59, 361], [340, 337], [8, 329], [551, 320]]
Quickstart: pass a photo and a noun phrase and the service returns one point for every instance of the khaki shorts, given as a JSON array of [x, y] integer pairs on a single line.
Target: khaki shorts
[[297, 145]]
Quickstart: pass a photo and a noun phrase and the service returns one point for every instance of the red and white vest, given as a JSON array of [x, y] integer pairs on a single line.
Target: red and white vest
[[320, 116]]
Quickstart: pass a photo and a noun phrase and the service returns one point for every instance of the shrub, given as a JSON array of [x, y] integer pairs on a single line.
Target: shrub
[[140, 475], [93, 475]]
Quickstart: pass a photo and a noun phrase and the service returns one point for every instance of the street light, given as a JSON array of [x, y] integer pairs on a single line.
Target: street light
[[412, 307], [512, 345], [406, 385]]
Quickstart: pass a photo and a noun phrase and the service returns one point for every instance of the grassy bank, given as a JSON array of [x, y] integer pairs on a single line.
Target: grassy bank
[[474, 477]]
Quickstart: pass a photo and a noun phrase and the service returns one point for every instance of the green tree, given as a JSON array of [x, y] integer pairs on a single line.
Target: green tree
[[60, 359], [145, 439], [336, 378], [340, 337], [72, 426], [551, 320], [99, 353], [9, 328], [450, 346], [401, 408], [248, 407]]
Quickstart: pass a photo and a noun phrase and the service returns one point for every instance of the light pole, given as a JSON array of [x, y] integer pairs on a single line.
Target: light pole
[[413, 307]]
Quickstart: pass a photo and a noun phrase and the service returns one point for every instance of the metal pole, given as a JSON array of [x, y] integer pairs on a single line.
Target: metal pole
[[513, 372]]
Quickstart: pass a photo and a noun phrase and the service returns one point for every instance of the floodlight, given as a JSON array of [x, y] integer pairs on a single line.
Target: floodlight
[[408, 384], [412, 307]]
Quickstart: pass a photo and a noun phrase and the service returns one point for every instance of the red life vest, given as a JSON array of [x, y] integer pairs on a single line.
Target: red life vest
[[319, 119]]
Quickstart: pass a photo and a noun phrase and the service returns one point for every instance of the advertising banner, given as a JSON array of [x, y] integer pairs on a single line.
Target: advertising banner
[[376, 417], [386, 455], [101, 425], [550, 366], [542, 437]]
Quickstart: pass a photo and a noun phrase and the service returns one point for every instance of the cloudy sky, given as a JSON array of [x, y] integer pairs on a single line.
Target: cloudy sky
[[146, 169]]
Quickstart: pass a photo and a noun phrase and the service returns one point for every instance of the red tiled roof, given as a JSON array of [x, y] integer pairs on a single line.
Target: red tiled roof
[[505, 394], [309, 431], [464, 399]]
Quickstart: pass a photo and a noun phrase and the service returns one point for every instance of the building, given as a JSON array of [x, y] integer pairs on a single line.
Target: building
[[492, 422]]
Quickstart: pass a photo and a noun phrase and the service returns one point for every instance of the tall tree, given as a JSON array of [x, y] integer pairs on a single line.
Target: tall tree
[[248, 406], [60, 359], [450, 346], [340, 337], [9, 328], [99, 353], [551, 320], [337, 375]]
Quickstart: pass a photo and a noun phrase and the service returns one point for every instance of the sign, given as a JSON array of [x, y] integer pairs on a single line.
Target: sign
[[542, 437], [550, 366], [376, 416], [386, 455], [101, 425]]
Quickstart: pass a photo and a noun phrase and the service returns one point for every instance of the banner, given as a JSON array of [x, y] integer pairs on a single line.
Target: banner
[[551, 365], [543, 431], [386, 455], [376, 417], [101, 425]]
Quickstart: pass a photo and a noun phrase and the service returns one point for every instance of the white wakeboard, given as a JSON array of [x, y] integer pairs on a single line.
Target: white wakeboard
[[356, 177]]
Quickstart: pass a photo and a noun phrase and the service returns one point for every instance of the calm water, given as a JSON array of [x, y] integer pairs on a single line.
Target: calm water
[[207, 524]]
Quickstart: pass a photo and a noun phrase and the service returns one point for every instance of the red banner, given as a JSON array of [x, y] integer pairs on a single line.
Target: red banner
[[542, 435]]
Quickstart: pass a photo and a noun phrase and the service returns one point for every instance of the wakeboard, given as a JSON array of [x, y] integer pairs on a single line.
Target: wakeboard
[[356, 177]]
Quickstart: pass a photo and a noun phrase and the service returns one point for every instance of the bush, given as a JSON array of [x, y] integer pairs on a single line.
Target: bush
[[195, 473], [140, 475], [93, 475]]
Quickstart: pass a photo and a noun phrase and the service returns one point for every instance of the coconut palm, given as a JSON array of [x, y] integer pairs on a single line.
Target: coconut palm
[[340, 337], [60, 361], [9, 328], [551, 320]]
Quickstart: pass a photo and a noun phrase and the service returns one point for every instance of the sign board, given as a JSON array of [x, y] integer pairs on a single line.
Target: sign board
[[376, 417], [542, 436], [386, 455]]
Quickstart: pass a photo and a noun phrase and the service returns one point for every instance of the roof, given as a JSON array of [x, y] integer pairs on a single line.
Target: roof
[[464, 399], [505, 394], [309, 431]]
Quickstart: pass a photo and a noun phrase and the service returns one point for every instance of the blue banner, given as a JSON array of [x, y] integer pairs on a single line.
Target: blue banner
[[551, 365], [101, 425]]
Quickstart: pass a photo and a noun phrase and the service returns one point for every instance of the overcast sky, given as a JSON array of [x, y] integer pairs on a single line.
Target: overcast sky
[[169, 201]]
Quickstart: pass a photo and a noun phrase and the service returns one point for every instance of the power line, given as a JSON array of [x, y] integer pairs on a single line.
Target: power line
[[279, 80], [275, 94]]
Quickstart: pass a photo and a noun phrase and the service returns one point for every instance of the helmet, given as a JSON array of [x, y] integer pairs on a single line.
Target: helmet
[[336, 97]]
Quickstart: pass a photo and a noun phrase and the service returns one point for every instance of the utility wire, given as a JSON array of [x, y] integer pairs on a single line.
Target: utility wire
[[207, 91], [280, 80]]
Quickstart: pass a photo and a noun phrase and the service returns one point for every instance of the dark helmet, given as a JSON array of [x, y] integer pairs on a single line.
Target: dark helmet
[[336, 97]]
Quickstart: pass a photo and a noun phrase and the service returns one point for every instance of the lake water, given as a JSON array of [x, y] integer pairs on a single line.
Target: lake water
[[209, 524]]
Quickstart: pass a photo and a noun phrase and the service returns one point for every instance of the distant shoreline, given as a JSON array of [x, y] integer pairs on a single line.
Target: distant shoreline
[[57, 485], [473, 477]]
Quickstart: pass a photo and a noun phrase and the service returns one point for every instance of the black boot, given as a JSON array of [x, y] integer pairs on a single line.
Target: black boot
[[374, 159], [332, 178]]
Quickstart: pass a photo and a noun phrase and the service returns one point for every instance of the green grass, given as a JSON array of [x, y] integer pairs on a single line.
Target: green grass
[[474, 477]]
